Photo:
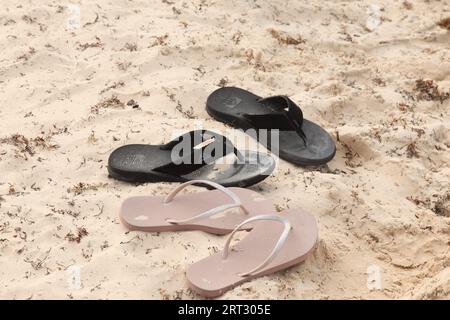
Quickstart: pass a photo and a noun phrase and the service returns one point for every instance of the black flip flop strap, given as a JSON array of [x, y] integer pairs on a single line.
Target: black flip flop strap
[[192, 159], [284, 115]]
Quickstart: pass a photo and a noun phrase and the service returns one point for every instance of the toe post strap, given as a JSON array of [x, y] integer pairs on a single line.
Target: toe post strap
[[285, 115], [278, 246]]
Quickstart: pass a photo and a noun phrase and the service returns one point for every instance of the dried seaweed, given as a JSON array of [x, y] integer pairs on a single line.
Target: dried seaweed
[[160, 40], [419, 202], [286, 39], [133, 103], [130, 46], [110, 103], [351, 158], [429, 90], [79, 234], [92, 22], [411, 150], [81, 187], [123, 65], [407, 5], [26, 56], [444, 23], [96, 44], [189, 114], [66, 211], [223, 82], [27, 147], [442, 206], [115, 85]]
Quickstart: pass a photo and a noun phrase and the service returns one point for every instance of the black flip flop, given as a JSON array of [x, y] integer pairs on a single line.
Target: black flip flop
[[191, 156], [300, 141]]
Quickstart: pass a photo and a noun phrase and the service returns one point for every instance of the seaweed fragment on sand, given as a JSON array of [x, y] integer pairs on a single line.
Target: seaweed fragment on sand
[[77, 236], [428, 90], [444, 23], [26, 147], [442, 206], [111, 103], [286, 39]]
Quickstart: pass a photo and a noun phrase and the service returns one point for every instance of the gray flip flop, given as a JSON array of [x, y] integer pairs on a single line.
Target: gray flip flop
[[192, 156]]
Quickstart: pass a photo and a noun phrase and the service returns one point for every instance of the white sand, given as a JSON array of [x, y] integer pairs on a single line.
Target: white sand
[[353, 72]]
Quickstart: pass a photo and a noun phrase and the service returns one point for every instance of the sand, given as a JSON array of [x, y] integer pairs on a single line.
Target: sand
[[355, 67]]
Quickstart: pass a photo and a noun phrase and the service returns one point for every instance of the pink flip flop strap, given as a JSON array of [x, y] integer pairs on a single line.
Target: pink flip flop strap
[[276, 249]]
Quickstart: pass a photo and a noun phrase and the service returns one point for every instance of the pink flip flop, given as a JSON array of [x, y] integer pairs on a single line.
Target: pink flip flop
[[215, 211], [277, 245]]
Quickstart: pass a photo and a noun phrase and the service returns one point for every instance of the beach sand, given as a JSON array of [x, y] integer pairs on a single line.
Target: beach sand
[[78, 79]]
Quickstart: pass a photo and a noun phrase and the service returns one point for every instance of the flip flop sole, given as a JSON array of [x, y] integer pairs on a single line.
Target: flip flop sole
[[135, 163], [150, 213]]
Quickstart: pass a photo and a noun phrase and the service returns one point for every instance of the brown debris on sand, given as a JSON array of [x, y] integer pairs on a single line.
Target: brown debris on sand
[[96, 44], [66, 212], [80, 234], [444, 23], [27, 147], [38, 263], [26, 56], [223, 82], [133, 103], [442, 206], [352, 158], [110, 103], [189, 113], [130, 46], [429, 90], [407, 5], [22, 143], [115, 85], [419, 202], [286, 39], [160, 40], [28, 19], [81, 187], [411, 150]]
